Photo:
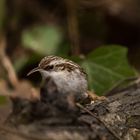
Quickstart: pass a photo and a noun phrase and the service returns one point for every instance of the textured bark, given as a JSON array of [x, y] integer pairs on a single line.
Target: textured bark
[[56, 117]]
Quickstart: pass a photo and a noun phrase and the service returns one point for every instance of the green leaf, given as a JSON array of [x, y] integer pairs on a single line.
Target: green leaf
[[43, 39], [106, 66]]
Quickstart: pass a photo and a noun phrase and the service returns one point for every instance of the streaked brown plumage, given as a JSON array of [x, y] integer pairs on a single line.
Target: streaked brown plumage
[[68, 75]]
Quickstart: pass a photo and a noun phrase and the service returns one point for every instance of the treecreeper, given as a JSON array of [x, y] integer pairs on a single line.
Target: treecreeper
[[68, 76]]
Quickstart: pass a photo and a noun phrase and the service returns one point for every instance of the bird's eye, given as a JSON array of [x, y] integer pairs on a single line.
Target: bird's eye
[[49, 67]]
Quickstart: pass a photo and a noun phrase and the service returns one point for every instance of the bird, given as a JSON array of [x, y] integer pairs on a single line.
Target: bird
[[68, 76]]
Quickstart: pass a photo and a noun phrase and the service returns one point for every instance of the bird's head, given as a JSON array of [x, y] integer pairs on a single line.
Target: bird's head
[[54, 66]]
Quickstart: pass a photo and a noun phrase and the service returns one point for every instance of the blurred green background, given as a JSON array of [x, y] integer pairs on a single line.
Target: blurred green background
[[102, 36]]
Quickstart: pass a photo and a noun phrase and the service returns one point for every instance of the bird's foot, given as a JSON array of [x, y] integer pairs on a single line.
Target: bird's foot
[[94, 97]]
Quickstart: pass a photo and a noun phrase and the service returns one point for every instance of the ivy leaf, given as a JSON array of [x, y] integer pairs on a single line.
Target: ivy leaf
[[43, 39], [106, 66]]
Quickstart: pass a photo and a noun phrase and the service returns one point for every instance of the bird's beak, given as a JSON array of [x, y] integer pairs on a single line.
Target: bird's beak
[[34, 70]]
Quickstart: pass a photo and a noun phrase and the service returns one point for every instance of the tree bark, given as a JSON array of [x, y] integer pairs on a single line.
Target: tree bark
[[58, 117]]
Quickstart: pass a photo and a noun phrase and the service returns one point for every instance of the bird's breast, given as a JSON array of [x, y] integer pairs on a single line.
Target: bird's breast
[[70, 82]]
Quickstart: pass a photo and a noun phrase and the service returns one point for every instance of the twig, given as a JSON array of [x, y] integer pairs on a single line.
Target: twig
[[22, 89], [7, 64], [89, 112]]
